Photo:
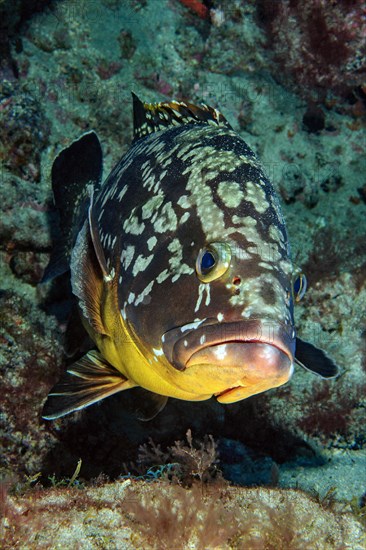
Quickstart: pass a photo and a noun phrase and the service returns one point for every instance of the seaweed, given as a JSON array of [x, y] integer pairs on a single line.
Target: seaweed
[[170, 520], [184, 463]]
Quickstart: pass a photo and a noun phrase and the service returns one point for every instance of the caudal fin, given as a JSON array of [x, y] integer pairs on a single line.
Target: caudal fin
[[74, 170]]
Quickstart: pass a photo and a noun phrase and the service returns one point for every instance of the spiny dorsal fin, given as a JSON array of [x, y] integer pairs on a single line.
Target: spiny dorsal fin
[[73, 170], [314, 360], [87, 381], [153, 117]]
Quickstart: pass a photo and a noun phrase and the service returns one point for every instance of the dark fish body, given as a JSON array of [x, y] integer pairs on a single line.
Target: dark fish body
[[181, 266]]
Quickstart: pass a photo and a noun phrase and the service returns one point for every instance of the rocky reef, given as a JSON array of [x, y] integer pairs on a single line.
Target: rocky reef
[[131, 515]]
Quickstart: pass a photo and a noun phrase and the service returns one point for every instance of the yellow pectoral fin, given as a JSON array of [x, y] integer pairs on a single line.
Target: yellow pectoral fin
[[87, 381]]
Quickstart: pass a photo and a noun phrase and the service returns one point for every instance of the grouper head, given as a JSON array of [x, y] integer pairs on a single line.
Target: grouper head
[[206, 275]]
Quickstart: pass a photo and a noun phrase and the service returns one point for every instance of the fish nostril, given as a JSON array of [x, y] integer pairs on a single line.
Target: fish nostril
[[236, 281]]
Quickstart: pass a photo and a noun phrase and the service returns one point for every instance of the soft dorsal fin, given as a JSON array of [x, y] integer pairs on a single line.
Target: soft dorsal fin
[[153, 117], [91, 280], [314, 360], [74, 169], [87, 280], [98, 248]]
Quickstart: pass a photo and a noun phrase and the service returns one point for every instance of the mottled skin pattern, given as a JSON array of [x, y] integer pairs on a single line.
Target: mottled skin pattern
[[175, 191], [181, 269]]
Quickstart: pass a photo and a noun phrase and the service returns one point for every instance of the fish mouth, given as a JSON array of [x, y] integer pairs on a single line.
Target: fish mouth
[[254, 366], [183, 346], [251, 355]]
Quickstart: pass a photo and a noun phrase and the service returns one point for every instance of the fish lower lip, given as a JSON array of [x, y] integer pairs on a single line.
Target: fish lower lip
[[247, 367], [219, 350], [247, 358]]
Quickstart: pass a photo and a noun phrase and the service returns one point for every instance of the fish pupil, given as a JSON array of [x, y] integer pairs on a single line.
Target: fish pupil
[[207, 261], [297, 285]]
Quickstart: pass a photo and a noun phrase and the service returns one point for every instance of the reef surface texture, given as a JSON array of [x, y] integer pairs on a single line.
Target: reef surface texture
[[129, 515]]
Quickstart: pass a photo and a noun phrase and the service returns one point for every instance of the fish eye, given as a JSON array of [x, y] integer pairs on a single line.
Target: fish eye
[[213, 261], [299, 287]]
